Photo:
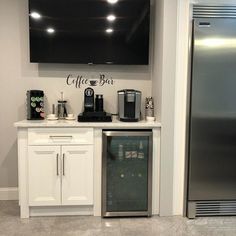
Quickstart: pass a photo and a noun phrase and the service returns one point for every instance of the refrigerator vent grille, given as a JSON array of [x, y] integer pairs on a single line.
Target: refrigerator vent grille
[[214, 11], [216, 208]]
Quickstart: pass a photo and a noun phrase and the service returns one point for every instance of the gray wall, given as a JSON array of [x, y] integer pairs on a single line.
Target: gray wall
[[17, 75]]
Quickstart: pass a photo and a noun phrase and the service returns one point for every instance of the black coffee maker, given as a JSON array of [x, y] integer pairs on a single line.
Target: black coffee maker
[[93, 110], [35, 105], [88, 100]]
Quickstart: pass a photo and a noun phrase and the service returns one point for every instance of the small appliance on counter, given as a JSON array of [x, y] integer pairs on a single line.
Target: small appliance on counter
[[61, 108], [127, 173], [35, 105], [93, 111], [129, 105]]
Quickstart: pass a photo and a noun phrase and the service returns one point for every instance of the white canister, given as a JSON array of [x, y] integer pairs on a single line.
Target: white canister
[[149, 107]]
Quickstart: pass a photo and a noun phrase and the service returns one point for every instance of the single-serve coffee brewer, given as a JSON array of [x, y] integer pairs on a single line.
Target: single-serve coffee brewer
[[129, 105], [89, 105], [93, 108]]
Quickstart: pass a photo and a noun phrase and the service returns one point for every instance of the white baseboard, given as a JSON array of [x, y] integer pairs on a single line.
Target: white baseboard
[[8, 193], [61, 211]]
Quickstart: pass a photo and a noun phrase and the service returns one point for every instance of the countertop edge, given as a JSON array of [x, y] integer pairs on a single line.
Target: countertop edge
[[75, 124]]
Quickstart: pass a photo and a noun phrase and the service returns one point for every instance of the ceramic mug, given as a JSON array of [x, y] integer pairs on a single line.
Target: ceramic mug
[[71, 116], [51, 116]]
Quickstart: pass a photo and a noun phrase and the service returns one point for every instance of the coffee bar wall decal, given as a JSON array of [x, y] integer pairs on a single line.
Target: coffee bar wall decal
[[81, 80]]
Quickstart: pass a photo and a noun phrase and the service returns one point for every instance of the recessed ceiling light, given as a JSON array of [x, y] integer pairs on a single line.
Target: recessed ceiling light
[[109, 30], [35, 15], [112, 1], [50, 30], [111, 17]]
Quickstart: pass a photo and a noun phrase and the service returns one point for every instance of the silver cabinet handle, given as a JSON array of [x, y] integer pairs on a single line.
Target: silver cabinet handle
[[66, 136], [57, 164], [63, 162]]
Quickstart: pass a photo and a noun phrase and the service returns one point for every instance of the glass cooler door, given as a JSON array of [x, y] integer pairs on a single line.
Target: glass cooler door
[[127, 173]]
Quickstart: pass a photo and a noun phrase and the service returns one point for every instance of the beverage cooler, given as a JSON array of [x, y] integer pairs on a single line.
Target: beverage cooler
[[127, 173]]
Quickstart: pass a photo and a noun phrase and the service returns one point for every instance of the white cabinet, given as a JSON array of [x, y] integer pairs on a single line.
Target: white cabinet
[[77, 175], [44, 177], [60, 174], [44, 190], [60, 136]]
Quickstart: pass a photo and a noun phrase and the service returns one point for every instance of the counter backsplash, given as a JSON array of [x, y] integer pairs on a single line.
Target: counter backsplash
[[73, 87]]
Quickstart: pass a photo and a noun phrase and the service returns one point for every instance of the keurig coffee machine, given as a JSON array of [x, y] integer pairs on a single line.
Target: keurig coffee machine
[[35, 105], [129, 105], [93, 111]]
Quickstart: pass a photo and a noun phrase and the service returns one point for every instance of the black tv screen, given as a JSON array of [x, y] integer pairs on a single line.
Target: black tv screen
[[89, 31]]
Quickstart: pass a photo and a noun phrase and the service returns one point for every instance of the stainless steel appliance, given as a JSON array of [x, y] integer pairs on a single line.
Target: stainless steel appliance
[[127, 173], [129, 105], [212, 131]]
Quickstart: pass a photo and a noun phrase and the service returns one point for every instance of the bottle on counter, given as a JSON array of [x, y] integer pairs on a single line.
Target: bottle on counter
[[128, 151], [121, 152], [140, 151], [134, 150]]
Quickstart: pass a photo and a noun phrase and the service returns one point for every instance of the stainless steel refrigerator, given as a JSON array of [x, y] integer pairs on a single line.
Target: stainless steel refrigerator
[[212, 131]]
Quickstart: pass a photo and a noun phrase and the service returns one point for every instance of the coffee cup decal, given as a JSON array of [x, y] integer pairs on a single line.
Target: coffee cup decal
[[93, 82], [79, 81]]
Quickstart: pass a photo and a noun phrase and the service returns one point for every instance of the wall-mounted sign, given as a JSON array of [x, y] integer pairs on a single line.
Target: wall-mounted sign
[[80, 81]]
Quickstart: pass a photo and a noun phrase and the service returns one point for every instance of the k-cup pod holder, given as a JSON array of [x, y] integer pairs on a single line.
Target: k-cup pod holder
[[35, 105]]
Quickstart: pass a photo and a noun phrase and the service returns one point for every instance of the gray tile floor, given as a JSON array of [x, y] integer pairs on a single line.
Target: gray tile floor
[[11, 224]]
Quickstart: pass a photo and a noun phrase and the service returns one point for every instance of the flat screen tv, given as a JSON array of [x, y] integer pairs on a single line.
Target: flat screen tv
[[89, 31]]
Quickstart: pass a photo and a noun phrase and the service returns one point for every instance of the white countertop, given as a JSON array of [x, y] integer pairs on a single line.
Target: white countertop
[[66, 123]]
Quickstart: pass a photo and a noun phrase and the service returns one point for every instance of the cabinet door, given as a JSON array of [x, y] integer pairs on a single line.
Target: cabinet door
[[77, 175], [44, 175]]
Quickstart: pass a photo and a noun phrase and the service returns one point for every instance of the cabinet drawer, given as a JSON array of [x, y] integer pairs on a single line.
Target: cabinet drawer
[[60, 136]]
